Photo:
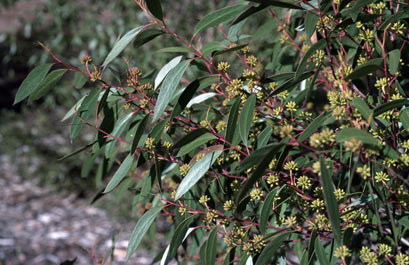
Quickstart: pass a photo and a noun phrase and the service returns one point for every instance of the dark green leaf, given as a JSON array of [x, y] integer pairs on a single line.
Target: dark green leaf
[[246, 117], [264, 136], [211, 244], [289, 85], [120, 173], [258, 173], [317, 46], [158, 130], [168, 88], [269, 251], [195, 143], [77, 151], [219, 16], [121, 44], [178, 237], [362, 107], [390, 105], [190, 137], [330, 201], [248, 12], [31, 82], [141, 228], [211, 47], [404, 221], [146, 36], [175, 49], [320, 252], [228, 260], [278, 77], [48, 83], [276, 3], [311, 20], [155, 8], [196, 172], [266, 210], [84, 111], [317, 123], [404, 118], [365, 69], [236, 48], [118, 130], [347, 236], [232, 121], [184, 98], [103, 100], [392, 19], [393, 61], [139, 132], [311, 246], [79, 80], [347, 134]]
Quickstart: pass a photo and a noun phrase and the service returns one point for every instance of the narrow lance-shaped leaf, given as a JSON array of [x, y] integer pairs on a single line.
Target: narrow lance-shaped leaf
[[84, 111], [166, 69], [246, 118], [120, 173], [365, 69], [313, 126], [139, 132], [195, 143], [404, 118], [269, 251], [219, 16], [196, 173], [121, 44], [330, 201], [266, 209], [168, 88], [48, 83], [276, 3], [141, 228], [118, 129], [232, 121], [264, 136], [320, 252], [31, 82], [390, 105], [347, 134], [184, 98], [210, 255], [200, 98]]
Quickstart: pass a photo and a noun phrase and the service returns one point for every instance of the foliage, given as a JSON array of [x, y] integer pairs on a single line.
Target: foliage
[[292, 153]]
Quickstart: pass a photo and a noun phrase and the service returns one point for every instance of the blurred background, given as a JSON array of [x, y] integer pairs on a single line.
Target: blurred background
[[45, 211]]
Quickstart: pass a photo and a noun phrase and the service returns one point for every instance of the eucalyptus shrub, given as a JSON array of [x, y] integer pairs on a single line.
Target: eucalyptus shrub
[[296, 154]]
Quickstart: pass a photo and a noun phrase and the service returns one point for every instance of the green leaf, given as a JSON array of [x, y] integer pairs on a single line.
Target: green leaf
[[146, 36], [120, 173], [347, 134], [168, 88], [404, 118], [266, 210], [264, 136], [330, 201], [320, 252], [141, 228], [393, 61], [317, 123], [121, 44], [269, 251], [364, 69], [210, 47], [290, 84], [390, 105], [258, 173], [236, 48], [178, 237], [155, 8], [211, 244], [200, 98], [84, 111], [196, 143], [246, 117], [362, 107], [175, 49], [276, 3], [232, 120], [189, 137], [311, 20], [311, 246], [118, 130], [72, 110], [255, 157], [317, 46], [77, 151], [103, 101], [404, 221], [219, 16], [248, 12], [392, 19], [79, 80], [139, 132], [196, 173], [166, 69], [184, 98], [31, 82], [48, 83]]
